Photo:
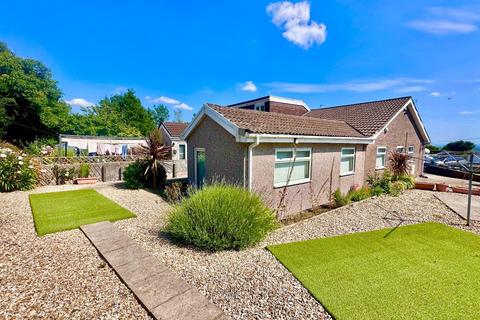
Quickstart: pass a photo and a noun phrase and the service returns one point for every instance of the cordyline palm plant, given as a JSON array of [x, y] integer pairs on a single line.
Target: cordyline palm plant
[[399, 163], [155, 152]]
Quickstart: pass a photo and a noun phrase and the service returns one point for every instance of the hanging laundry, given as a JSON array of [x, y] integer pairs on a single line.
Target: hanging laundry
[[124, 151], [92, 148]]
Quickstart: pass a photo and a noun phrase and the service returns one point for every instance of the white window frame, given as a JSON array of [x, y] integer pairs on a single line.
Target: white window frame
[[384, 159], [292, 161], [413, 149], [400, 147], [259, 107], [184, 153], [348, 156]]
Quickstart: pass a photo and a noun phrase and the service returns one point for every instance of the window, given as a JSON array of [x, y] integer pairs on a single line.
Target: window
[[400, 149], [411, 149], [259, 107], [381, 154], [347, 161], [181, 151], [292, 166]]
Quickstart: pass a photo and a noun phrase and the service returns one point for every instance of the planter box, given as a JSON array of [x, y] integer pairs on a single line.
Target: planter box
[[442, 187], [464, 190], [424, 185], [85, 180]]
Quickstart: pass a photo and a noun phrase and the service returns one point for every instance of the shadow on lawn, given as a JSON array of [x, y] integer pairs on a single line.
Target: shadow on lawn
[[393, 215]]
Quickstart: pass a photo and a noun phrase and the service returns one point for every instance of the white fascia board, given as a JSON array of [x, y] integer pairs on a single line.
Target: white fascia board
[[222, 121], [215, 116], [279, 138], [411, 107], [289, 101], [193, 124]]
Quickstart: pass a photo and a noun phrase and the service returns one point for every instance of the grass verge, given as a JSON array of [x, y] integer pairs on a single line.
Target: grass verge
[[423, 271], [60, 211]]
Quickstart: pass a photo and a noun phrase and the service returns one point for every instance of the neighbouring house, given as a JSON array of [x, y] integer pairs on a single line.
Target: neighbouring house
[[171, 133], [295, 157]]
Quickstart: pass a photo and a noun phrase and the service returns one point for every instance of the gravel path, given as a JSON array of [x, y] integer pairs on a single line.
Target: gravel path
[[62, 275], [55, 276], [252, 284]]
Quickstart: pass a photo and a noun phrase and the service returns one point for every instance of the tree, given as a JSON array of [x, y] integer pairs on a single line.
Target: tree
[[119, 115], [159, 113], [459, 145], [155, 152], [30, 100], [432, 148], [177, 115]]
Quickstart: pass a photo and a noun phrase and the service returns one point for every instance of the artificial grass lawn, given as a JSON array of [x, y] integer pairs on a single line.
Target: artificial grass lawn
[[423, 271], [59, 211]]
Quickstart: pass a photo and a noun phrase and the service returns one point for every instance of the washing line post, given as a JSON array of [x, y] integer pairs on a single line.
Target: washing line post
[[470, 178]]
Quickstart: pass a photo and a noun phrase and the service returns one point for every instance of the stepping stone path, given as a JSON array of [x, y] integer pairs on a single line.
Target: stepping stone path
[[159, 290]]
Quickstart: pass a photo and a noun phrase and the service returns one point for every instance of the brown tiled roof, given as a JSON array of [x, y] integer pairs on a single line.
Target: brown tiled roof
[[367, 117], [278, 123], [175, 129]]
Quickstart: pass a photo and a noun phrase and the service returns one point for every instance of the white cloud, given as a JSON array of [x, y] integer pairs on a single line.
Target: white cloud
[[411, 89], [249, 86], [183, 106], [352, 86], [294, 19], [163, 99], [437, 94], [446, 20], [469, 112], [79, 102]]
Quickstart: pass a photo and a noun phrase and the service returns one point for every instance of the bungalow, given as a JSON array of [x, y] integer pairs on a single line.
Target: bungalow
[[295, 157], [171, 132]]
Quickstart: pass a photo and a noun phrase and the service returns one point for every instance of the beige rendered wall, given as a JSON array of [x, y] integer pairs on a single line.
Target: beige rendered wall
[[401, 132], [325, 177], [224, 157]]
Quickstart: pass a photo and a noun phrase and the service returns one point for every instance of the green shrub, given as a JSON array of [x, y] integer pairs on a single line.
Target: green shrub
[[220, 217], [64, 174], [377, 191], [407, 180], [360, 194], [396, 188], [340, 199], [84, 170], [377, 181], [41, 147], [16, 170], [133, 175], [176, 191]]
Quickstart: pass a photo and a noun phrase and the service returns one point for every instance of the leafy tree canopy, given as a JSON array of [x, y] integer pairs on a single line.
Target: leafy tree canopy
[[30, 104], [159, 113], [459, 145], [119, 115]]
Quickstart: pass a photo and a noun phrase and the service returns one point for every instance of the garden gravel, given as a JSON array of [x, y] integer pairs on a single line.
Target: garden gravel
[[57, 276], [252, 284], [61, 275]]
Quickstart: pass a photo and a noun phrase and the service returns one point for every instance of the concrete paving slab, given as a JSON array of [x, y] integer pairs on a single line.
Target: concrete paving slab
[[140, 269], [458, 203], [160, 291], [191, 308], [159, 288], [124, 255]]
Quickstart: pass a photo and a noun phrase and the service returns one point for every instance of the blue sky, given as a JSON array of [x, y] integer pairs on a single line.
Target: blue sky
[[185, 53]]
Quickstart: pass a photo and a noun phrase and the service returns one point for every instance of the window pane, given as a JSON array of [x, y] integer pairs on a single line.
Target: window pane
[[284, 155], [380, 161], [346, 165], [381, 150], [348, 151], [411, 149], [303, 154], [181, 152], [299, 171]]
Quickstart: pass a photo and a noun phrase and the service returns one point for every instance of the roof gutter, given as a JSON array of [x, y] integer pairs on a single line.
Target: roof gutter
[[250, 160], [284, 138]]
